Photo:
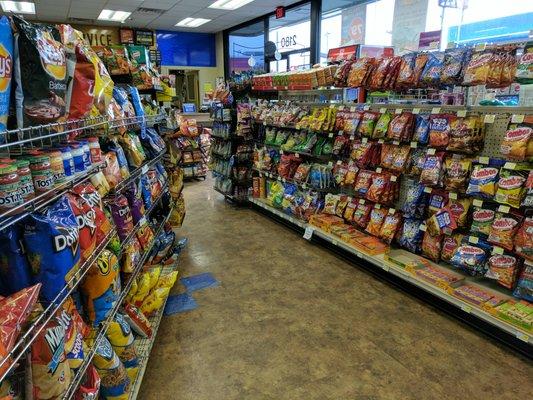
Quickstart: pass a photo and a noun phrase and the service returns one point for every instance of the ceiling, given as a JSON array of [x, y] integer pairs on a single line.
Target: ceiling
[[164, 14]]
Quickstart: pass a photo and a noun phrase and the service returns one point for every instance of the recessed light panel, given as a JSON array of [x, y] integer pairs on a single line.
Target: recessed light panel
[[114, 15], [229, 4], [192, 22], [18, 7]]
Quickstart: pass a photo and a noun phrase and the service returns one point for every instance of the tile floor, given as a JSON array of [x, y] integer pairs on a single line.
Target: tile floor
[[290, 320]]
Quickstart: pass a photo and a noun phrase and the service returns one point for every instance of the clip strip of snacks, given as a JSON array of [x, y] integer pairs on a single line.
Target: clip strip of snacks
[[232, 150], [444, 194]]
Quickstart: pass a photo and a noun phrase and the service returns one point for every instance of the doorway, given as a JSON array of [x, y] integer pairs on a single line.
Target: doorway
[[187, 87]]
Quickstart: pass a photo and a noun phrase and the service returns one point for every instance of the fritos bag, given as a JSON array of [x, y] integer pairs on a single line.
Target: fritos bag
[[40, 73]]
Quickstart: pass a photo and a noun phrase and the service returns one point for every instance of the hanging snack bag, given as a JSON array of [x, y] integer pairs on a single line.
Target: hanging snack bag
[[145, 235], [377, 217], [432, 172], [14, 267], [50, 373], [503, 268], [40, 74], [101, 287], [459, 209], [341, 205], [410, 235], [416, 165], [503, 230], [471, 257], [362, 214], [121, 213], [146, 192], [483, 181], [115, 382], [439, 130], [121, 338], [368, 122], [112, 170], [75, 330], [89, 386], [401, 127], [432, 70], [515, 142], [390, 226], [131, 255], [6, 72], [89, 193], [431, 246], [330, 203], [414, 200], [382, 125], [406, 72], [442, 222], [524, 287], [86, 219], [524, 239], [52, 245], [455, 61], [437, 200], [134, 195], [456, 173], [450, 244], [465, 135], [524, 70], [421, 134], [482, 219], [350, 209], [511, 187], [379, 185], [477, 70]]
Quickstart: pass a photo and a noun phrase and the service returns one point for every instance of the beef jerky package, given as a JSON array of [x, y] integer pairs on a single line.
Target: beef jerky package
[[81, 73], [6, 70], [40, 86]]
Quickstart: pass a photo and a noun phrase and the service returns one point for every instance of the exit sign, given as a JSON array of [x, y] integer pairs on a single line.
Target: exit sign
[[280, 12]]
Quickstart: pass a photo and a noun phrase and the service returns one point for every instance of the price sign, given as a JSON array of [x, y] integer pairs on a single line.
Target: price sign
[[308, 234], [461, 113], [489, 118], [435, 110]]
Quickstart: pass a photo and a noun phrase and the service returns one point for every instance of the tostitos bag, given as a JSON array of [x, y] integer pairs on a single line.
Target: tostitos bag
[[115, 382], [121, 338]]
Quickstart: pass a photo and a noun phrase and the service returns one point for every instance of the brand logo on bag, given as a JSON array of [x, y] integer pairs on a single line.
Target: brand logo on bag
[[518, 134], [52, 57], [456, 208], [87, 220], [471, 251], [527, 58], [502, 261], [68, 237], [55, 338], [483, 215], [483, 173], [513, 182], [103, 265], [6, 62], [504, 224], [476, 62]]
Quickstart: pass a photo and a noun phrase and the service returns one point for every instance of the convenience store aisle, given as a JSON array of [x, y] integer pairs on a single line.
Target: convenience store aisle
[[290, 320]]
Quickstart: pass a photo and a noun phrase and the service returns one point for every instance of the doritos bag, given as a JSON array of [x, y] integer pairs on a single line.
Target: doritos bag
[[40, 74], [52, 246], [89, 193], [101, 287], [14, 267], [86, 224]]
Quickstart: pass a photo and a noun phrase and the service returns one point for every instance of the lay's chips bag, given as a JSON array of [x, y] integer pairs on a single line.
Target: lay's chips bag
[[6, 71], [52, 247]]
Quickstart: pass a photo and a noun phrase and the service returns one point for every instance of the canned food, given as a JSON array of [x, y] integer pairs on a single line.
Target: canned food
[[26, 181], [96, 152], [10, 194], [41, 173], [56, 165]]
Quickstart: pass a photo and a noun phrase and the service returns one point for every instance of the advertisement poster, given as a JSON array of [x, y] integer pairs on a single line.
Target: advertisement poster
[[409, 21], [353, 25]]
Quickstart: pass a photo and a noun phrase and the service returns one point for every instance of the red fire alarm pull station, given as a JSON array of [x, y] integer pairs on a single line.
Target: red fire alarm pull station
[[280, 12]]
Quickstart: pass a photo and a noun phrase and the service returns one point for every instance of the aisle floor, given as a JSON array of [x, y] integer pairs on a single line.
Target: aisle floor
[[290, 320]]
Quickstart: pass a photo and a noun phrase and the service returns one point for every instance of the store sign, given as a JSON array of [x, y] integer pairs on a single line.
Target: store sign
[[293, 37], [280, 12], [342, 53], [145, 38], [97, 37], [353, 24], [357, 30], [375, 51], [429, 40], [127, 36]]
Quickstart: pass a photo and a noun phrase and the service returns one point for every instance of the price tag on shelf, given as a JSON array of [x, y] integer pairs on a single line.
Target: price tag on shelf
[[341, 108], [398, 111], [330, 163], [352, 137], [483, 160], [489, 118], [283, 180], [416, 110], [396, 142], [334, 243], [435, 110], [432, 151], [480, 46], [461, 113], [473, 239], [331, 106], [279, 178], [364, 140], [453, 196], [517, 118], [477, 203], [339, 162], [427, 190], [392, 210], [297, 155], [281, 152], [353, 109], [381, 141], [144, 169], [377, 206], [362, 201], [385, 266], [304, 186], [497, 250], [509, 165], [330, 135], [308, 234], [366, 107], [504, 209], [378, 170], [414, 145], [393, 178], [382, 110], [522, 336], [142, 221], [341, 133], [423, 228], [466, 308]]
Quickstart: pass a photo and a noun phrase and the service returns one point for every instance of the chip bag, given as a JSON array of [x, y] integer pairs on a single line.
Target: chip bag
[[90, 385], [121, 213], [390, 226], [482, 219], [377, 217], [86, 219], [439, 130], [503, 230], [138, 322], [115, 382], [456, 173], [431, 246], [14, 267], [483, 181], [410, 235], [503, 268], [154, 301], [511, 187], [121, 338], [6, 39], [514, 145], [92, 197], [524, 239]]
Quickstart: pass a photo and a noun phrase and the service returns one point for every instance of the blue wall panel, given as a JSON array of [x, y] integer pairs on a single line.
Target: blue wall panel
[[187, 49]]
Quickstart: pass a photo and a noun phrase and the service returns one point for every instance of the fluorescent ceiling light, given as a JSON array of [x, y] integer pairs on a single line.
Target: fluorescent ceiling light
[[229, 4], [192, 22], [18, 7], [112, 15]]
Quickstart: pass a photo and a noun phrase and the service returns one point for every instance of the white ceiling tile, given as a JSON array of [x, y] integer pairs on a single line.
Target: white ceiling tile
[[203, 3], [159, 4]]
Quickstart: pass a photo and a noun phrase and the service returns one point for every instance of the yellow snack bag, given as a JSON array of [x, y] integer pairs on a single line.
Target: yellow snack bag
[[143, 288], [167, 281], [154, 273], [133, 290], [154, 301], [121, 338]]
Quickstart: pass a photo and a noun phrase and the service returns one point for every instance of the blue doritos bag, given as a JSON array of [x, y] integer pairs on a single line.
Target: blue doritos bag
[[52, 247], [14, 268]]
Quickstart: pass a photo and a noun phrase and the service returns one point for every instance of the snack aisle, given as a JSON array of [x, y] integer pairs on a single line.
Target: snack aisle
[[438, 196], [88, 252]]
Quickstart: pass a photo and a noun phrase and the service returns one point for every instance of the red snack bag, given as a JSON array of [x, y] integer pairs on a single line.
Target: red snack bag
[[401, 127], [524, 239], [363, 181], [420, 64], [390, 227], [401, 156], [377, 217], [407, 70], [360, 71], [392, 73], [89, 193], [378, 187], [362, 215], [503, 230], [439, 130], [449, 245], [431, 246], [503, 268], [432, 172], [86, 224], [377, 78], [90, 385], [387, 155], [138, 322], [437, 200]]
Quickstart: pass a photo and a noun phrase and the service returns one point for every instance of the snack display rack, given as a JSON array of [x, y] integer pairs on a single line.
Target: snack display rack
[[495, 120], [231, 151]]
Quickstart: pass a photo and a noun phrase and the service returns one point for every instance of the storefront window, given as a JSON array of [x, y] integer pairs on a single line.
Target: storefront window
[[356, 23], [246, 48], [292, 37], [481, 21]]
